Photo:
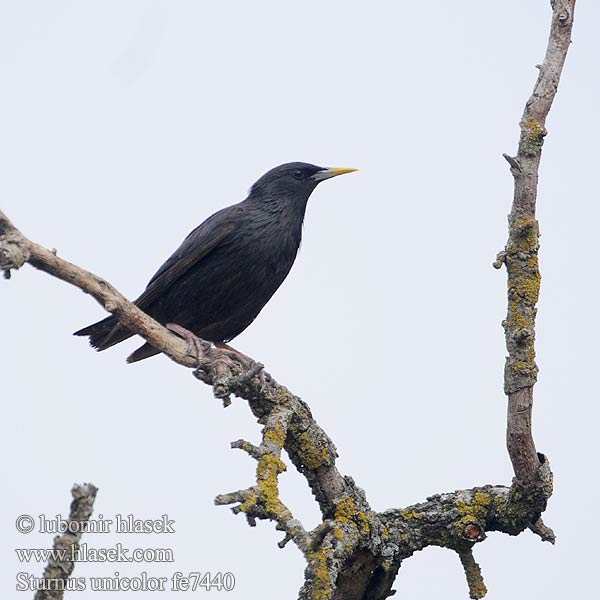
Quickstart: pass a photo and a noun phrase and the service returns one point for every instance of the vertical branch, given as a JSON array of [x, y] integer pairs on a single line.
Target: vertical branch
[[521, 253], [475, 581]]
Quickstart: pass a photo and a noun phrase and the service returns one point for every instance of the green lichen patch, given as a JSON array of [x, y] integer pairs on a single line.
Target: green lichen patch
[[477, 588], [267, 496], [249, 503], [276, 434], [313, 455], [482, 499], [478, 506], [474, 512], [533, 136], [408, 514], [347, 512], [524, 281], [322, 583], [268, 469]]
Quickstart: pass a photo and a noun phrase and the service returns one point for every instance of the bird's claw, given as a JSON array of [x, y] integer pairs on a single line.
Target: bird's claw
[[197, 347]]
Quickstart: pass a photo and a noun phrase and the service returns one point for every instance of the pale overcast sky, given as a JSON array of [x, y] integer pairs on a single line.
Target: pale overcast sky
[[126, 123]]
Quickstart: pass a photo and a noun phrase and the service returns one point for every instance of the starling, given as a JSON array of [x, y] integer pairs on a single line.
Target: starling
[[225, 271]]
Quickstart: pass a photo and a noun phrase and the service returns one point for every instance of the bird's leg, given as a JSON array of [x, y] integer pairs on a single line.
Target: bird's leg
[[224, 346], [196, 346]]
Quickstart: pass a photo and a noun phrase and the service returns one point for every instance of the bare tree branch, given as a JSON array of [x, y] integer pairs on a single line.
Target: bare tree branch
[[475, 581], [521, 252], [355, 553], [58, 570], [262, 501], [16, 250]]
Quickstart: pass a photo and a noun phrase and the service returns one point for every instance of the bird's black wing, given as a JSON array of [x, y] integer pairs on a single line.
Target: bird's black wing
[[213, 232], [201, 241]]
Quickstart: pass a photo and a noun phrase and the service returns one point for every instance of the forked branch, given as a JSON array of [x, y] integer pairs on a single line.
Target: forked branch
[[355, 553]]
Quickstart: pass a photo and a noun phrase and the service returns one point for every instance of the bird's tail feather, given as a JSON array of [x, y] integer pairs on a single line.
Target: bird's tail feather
[[145, 351], [105, 333]]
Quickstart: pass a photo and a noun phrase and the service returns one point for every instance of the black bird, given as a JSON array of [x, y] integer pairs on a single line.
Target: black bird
[[226, 270]]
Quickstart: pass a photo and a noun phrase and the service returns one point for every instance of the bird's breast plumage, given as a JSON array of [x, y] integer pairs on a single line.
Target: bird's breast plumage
[[220, 295]]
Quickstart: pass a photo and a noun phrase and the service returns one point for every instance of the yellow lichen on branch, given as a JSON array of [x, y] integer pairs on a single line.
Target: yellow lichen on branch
[[523, 292]]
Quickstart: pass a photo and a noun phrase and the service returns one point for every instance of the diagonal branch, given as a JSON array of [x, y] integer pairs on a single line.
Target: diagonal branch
[[16, 250]]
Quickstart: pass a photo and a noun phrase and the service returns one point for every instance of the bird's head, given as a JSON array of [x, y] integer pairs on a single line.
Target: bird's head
[[292, 182]]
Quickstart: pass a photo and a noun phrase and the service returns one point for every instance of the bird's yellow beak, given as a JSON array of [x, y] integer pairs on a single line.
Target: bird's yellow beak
[[334, 172]]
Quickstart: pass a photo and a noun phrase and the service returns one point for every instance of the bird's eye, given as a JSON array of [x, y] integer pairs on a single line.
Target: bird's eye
[[298, 174]]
